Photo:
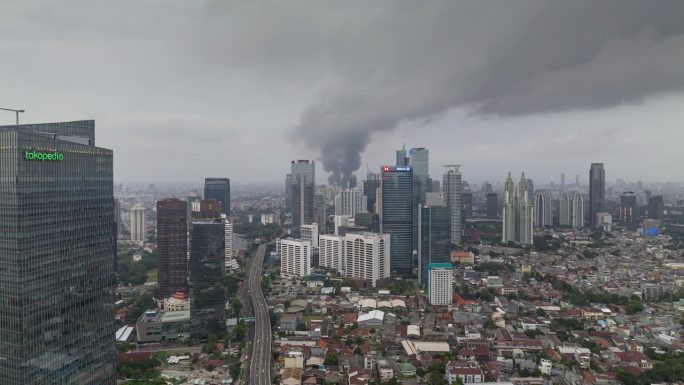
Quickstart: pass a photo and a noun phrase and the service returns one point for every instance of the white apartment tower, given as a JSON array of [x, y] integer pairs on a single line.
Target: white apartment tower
[[517, 213], [440, 283], [565, 217], [350, 201], [295, 258], [367, 256], [331, 252], [229, 256], [578, 211], [543, 211], [138, 224]]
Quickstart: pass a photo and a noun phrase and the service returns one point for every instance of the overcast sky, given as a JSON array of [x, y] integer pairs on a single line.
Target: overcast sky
[[187, 89]]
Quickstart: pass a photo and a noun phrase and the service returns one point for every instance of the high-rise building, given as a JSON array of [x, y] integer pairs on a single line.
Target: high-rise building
[[565, 216], [467, 198], [117, 218], [396, 215], [207, 267], [543, 209], [492, 206], [628, 204], [295, 258], [303, 190], [656, 207], [228, 243], [288, 193], [172, 248], [57, 249], [578, 211], [350, 201], [321, 212], [193, 198], [310, 233], [219, 189], [331, 252], [562, 186], [138, 224], [367, 256], [418, 160], [440, 278], [487, 188], [451, 185], [370, 189], [402, 160], [530, 190], [208, 209], [597, 191], [434, 236], [517, 213]]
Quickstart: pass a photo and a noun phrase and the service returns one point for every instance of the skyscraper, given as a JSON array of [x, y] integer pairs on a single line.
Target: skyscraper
[[597, 191], [58, 255], [172, 251], [117, 217], [565, 217], [628, 203], [219, 189], [543, 209], [288, 193], [517, 213], [451, 185], [467, 198], [321, 212], [492, 206], [578, 211], [303, 189], [402, 160], [396, 215], [434, 235], [207, 266], [138, 224], [656, 207], [370, 189], [350, 201], [418, 160], [562, 186], [367, 256], [208, 209], [228, 243]]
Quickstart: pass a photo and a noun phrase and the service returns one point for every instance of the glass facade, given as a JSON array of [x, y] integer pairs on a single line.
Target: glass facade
[[57, 257], [207, 266], [219, 189], [396, 216], [434, 237]]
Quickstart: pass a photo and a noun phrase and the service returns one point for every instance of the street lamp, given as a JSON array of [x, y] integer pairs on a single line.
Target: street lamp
[[13, 110]]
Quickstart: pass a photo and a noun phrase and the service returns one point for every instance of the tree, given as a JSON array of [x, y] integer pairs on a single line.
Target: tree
[[457, 381], [330, 359]]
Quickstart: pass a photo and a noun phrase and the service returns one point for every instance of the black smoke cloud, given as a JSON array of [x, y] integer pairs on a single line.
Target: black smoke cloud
[[415, 61]]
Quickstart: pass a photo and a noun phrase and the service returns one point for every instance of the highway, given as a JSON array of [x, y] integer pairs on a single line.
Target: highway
[[260, 363]]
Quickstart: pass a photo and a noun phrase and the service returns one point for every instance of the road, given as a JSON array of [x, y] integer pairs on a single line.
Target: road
[[260, 365]]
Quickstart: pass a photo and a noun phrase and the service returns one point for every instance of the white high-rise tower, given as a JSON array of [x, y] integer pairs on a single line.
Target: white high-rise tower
[[451, 185], [138, 225]]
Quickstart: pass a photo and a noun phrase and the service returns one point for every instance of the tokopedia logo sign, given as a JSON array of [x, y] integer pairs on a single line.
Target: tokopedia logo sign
[[43, 156]]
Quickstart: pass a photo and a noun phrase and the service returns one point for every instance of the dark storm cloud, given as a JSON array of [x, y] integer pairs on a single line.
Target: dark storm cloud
[[416, 61]]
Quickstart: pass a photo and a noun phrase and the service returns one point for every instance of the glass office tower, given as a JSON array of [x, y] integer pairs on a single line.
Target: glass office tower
[[172, 247], [207, 267], [434, 237], [219, 189], [57, 256], [396, 215]]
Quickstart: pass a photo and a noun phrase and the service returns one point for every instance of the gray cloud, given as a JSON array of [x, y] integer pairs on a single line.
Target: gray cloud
[[333, 76]]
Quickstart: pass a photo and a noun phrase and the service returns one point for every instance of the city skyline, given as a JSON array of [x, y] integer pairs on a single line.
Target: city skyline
[[238, 94]]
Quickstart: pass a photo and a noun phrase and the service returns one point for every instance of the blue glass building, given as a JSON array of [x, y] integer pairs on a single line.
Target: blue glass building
[[396, 215]]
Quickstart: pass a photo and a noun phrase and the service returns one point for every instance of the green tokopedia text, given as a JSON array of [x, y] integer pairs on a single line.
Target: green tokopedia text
[[43, 156]]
